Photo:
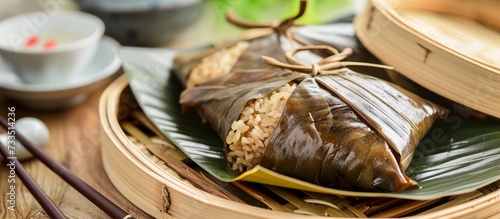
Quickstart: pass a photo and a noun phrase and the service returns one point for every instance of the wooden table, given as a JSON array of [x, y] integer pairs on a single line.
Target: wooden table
[[75, 142], [75, 139]]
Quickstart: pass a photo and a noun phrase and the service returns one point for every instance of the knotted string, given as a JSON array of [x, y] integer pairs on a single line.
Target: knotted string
[[282, 27], [330, 65]]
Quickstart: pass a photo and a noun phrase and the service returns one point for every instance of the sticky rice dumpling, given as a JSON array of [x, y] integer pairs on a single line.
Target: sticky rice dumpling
[[343, 129], [322, 123]]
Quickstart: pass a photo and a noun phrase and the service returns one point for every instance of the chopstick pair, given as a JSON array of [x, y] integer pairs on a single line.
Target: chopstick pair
[[51, 209]]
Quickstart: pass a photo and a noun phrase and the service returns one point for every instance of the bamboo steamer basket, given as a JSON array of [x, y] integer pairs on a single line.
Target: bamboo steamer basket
[[160, 192], [152, 189], [454, 57]]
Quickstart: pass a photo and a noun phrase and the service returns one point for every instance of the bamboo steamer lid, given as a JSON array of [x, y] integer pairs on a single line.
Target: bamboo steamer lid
[[454, 57]]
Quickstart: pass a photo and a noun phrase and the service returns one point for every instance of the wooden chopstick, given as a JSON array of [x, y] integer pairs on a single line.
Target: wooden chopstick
[[50, 208], [74, 181]]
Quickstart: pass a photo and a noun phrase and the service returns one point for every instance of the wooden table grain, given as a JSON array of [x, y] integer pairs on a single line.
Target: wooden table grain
[[75, 142], [75, 139]]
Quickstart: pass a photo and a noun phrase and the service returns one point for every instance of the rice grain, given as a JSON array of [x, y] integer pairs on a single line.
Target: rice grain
[[216, 64], [250, 134]]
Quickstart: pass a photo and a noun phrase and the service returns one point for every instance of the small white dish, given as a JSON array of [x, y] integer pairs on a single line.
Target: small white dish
[[102, 69], [49, 48]]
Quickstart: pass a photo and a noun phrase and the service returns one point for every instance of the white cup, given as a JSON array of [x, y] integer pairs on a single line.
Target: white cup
[[44, 48]]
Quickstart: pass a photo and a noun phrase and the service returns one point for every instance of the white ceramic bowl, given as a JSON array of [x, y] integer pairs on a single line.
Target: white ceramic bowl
[[76, 36], [144, 22], [102, 69], [134, 5]]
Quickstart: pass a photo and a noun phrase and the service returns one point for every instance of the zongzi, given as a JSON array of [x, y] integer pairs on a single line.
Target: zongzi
[[319, 122]]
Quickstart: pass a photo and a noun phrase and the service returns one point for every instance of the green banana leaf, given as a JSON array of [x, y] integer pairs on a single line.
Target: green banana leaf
[[320, 11], [458, 154]]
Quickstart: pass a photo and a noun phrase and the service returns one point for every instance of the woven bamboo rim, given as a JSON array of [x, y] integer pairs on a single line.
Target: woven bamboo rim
[[152, 186], [398, 40]]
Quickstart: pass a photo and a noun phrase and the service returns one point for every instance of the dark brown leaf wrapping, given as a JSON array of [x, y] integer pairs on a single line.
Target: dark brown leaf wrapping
[[345, 130]]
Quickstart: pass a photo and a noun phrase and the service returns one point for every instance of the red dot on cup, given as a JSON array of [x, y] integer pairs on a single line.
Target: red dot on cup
[[31, 41], [50, 44]]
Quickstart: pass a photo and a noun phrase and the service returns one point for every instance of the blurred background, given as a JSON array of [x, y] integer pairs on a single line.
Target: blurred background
[[183, 23]]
